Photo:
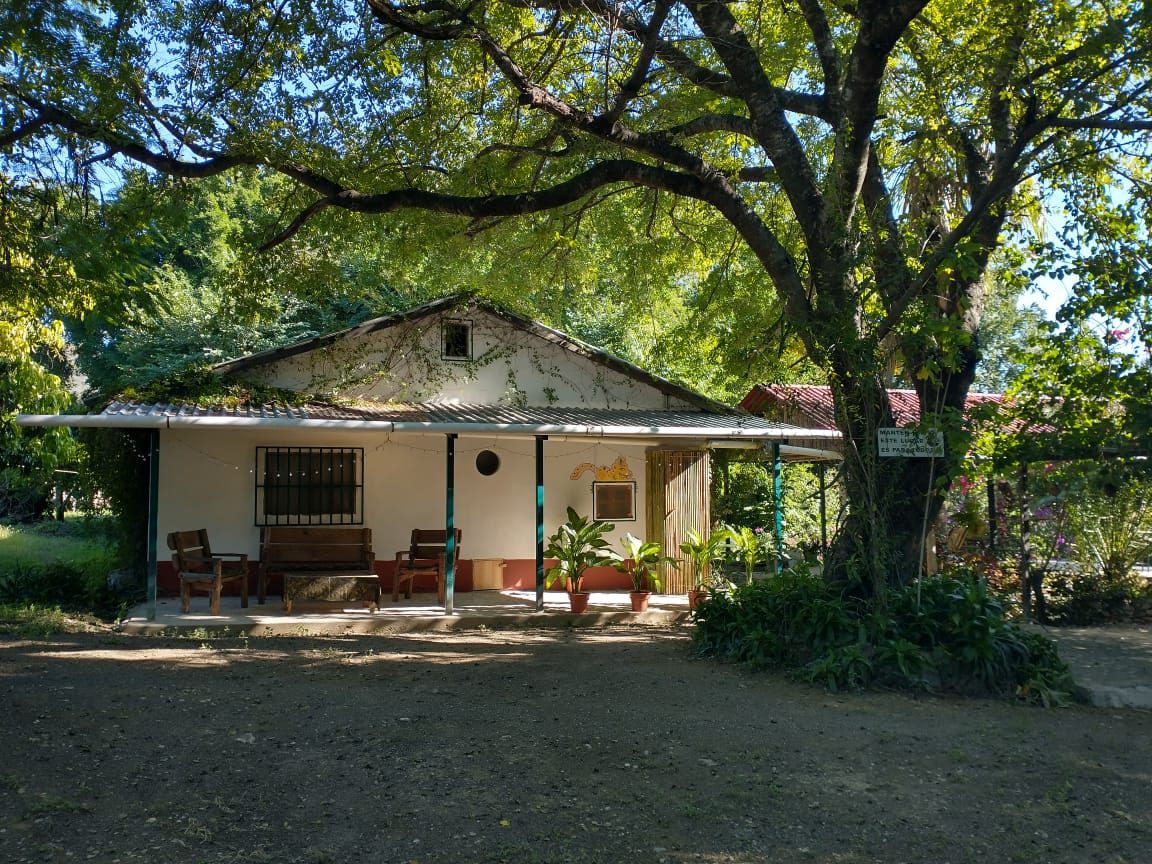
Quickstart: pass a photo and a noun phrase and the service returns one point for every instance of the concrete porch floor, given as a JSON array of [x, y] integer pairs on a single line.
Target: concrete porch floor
[[491, 610]]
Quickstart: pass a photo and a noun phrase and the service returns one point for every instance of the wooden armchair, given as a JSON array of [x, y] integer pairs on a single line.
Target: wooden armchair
[[427, 554], [198, 566]]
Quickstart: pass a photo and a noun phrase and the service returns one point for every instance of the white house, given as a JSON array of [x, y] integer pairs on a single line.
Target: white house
[[454, 413]]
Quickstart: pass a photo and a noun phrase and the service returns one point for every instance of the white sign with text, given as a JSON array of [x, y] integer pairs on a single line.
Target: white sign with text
[[910, 443]]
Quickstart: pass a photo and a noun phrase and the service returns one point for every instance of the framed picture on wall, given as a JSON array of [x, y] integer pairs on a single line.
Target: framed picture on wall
[[614, 501]]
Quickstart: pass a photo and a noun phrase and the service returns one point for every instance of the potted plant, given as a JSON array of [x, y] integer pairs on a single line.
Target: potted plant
[[641, 561], [577, 545], [699, 553]]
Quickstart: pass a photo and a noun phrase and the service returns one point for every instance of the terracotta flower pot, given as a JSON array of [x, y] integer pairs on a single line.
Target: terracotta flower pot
[[695, 597], [640, 600], [578, 601]]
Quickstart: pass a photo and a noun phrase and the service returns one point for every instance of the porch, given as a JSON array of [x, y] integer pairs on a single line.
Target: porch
[[473, 610]]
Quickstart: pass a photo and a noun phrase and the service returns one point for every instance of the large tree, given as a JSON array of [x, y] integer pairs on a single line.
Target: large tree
[[869, 157], [34, 282]]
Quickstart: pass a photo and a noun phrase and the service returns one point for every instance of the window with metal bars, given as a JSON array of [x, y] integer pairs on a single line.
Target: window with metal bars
[[309, 485]]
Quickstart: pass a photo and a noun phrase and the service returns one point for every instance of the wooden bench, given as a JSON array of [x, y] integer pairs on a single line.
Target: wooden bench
[[319, 563]]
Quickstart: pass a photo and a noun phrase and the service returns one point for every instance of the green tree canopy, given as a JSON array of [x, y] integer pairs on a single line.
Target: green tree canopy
[[1087, 375], [35, 279], [868, 159]]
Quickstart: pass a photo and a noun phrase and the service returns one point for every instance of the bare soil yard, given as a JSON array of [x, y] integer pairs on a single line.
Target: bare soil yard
[[581, 746]]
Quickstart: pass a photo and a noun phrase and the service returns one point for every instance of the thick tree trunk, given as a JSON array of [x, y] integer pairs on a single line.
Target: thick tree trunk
[[886, 538]]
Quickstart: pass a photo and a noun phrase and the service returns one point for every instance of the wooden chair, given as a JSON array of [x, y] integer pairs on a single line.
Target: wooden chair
[[198, 566], [427, 554]]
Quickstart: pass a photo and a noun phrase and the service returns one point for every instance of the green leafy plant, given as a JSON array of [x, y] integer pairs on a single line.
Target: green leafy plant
[[641, 561], [845, 668], [579, 543], [1111, 527], [749, 548], [699, 555]]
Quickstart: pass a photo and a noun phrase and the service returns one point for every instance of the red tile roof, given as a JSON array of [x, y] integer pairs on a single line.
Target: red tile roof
[[810, 405]]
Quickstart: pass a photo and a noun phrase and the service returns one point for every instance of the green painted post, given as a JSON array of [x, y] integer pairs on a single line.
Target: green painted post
[[778, 505], [820, 466], [153, 518], [540, 439], [450, 523]]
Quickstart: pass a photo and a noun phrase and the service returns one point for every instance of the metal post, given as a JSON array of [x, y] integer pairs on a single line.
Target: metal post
[[450, 523], [153, 519], [820, 466], [778, 505], [540, 439], [1025, 542]]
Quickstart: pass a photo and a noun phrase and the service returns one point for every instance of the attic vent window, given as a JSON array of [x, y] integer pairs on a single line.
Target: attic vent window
[[456, 340], [487, 462]]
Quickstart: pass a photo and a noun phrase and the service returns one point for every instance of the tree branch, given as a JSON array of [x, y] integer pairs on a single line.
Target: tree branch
[[403, 18], [709, 123], [773, 132], [825, 49], [1101, 124], [21, 132], [885, 230], [50, 115], [494, 206], [630, 89], [882, 23], [757, 174]]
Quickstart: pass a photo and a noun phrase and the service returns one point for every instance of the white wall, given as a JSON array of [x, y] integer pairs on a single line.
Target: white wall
[[207, 480], [510, 366]]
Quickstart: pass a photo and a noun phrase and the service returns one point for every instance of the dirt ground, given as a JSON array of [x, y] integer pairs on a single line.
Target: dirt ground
[[576, 746]]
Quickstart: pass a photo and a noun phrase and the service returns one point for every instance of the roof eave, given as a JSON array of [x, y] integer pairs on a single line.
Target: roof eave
[[173, 421]]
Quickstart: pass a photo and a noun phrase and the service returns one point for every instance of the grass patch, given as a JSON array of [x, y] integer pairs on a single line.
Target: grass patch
[[42, 543], [53, 577], [36, 621]]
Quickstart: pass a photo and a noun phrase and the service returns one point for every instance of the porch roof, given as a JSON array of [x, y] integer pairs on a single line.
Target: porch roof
[[723, 430]]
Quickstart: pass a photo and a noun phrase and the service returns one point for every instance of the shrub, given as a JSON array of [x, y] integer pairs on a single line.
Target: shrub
[[1085, 599], [785, 620], [944, 633], [1112, 529]]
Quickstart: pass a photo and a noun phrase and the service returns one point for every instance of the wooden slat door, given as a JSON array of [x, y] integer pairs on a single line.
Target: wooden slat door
[[678, 499]]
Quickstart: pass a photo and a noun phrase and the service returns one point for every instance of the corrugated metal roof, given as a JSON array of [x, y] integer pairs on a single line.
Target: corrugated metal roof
[[456, 414], [682, 427], [173, 409]]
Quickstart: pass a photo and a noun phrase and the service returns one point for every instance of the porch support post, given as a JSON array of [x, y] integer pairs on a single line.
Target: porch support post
[[778, 507], [153, 520], [540, 439], [450, 522], [1026, 543], [820, 467]]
